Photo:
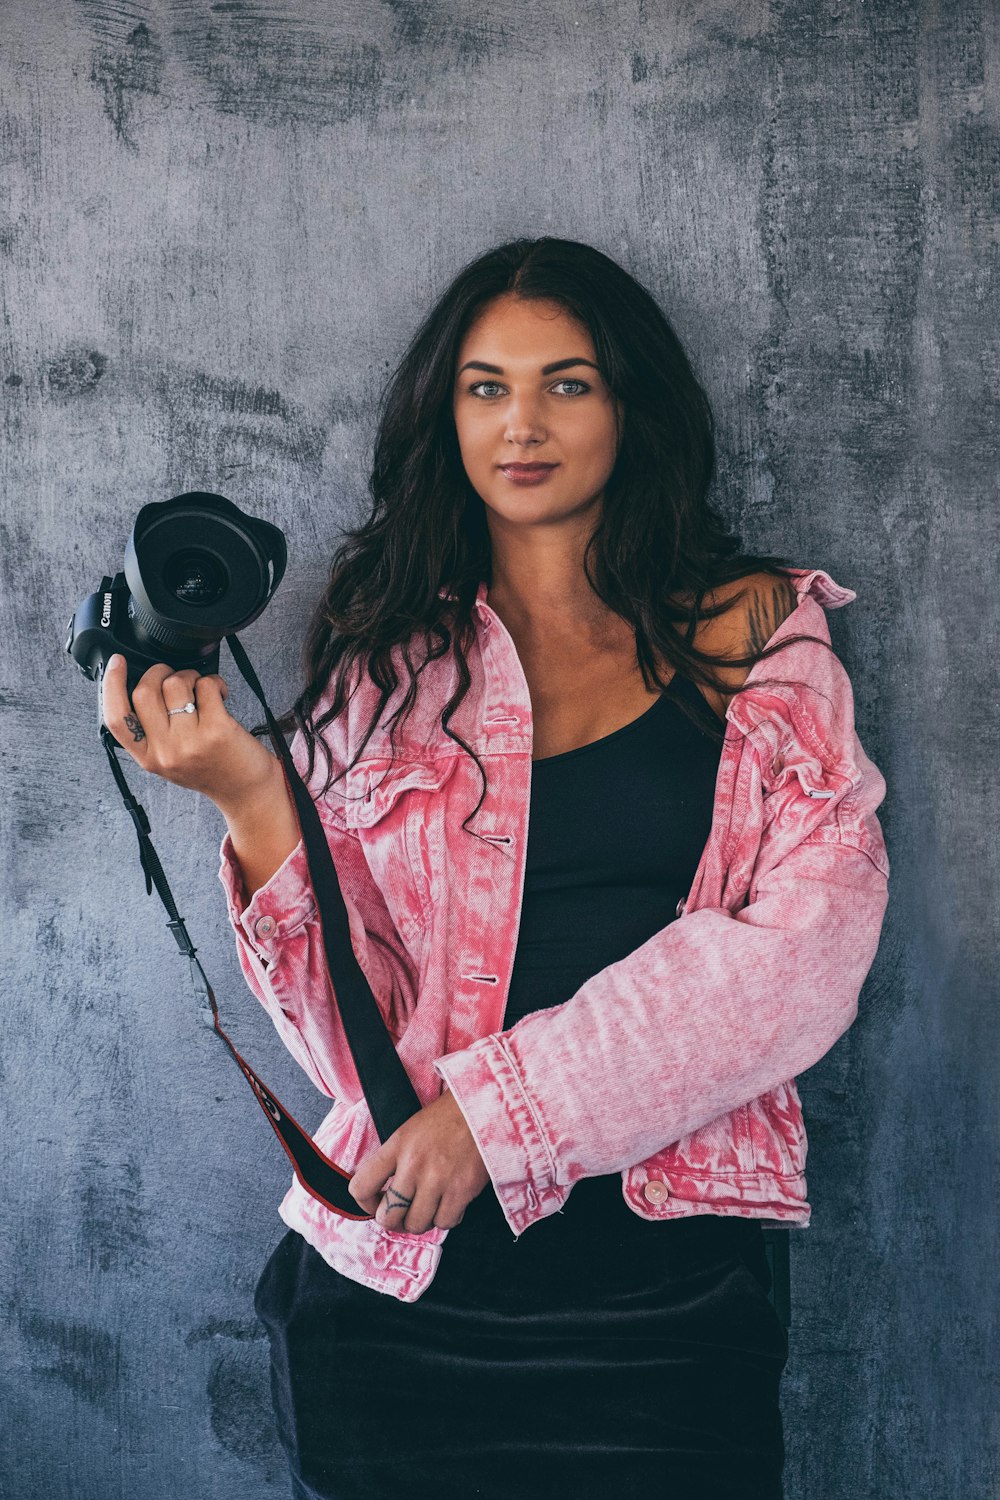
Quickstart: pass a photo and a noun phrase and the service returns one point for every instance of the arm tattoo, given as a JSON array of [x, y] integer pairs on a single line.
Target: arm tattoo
[[767, 610], [132, 723]]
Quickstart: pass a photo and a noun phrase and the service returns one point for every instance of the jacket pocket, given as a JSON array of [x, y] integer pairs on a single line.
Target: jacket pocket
[[801, 791], [811, 798], [396, 811], [794, 769]]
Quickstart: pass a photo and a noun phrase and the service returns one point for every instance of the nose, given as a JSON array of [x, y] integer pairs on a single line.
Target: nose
[[524, 424]]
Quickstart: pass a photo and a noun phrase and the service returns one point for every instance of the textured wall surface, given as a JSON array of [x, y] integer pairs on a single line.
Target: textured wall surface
[[219, 224]]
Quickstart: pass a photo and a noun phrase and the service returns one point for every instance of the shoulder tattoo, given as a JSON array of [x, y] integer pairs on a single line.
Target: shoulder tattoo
[[768, 606]]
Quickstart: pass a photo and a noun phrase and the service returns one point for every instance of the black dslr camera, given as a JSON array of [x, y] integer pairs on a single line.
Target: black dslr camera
[[196, 569]]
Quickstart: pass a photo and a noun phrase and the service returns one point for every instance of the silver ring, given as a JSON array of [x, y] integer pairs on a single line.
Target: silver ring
[[189, 708]]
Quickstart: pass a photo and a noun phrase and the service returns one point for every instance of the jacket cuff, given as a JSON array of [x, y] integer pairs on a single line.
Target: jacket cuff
[[487, 1089], [276, 910]]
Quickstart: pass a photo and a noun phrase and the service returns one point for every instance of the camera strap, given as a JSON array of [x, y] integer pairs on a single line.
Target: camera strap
[[389, 1093]]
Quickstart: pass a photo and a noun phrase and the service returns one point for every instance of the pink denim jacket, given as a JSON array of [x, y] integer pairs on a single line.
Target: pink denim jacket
[[674, 1067]]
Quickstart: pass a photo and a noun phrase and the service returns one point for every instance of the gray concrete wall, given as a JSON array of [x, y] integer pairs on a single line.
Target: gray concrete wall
[[218, 225]]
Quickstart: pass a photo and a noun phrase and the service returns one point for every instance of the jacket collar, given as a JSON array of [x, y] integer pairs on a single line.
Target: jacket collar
[[480, 599], [818, 583]]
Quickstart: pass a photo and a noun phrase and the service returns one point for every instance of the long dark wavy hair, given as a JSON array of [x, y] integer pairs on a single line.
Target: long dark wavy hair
[[658, 536]]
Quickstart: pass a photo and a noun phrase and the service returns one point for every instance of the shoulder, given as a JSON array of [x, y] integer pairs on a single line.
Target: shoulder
[[754, 607]]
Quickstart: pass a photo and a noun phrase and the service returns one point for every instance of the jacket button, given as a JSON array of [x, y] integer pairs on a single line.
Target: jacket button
[[656, 1192], [264, 927]]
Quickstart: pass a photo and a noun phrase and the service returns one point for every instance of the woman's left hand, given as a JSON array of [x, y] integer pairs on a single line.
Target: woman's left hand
[[435, 1167]]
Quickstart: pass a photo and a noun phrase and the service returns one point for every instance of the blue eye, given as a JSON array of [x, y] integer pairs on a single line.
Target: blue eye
[[568, 380]]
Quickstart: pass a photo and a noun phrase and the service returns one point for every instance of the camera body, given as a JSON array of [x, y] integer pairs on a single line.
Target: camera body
[[103, 625], [196, 569]]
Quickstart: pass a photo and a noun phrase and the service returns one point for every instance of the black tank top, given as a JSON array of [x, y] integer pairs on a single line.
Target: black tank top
[[615, 832], [616, 829]]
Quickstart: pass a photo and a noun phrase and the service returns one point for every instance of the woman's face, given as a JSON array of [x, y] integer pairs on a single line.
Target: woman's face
[[512, 407]]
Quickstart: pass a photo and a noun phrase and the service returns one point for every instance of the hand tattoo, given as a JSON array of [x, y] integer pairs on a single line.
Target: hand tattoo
[[403, 1202], [132, 723]]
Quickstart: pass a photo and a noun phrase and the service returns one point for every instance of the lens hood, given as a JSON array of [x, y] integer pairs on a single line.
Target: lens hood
[[199, 569]]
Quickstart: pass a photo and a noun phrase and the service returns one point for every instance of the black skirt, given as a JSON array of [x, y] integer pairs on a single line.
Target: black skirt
[[598, 1355]]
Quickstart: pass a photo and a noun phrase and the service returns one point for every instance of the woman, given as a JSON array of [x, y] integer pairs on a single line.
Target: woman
[[602, 1008]]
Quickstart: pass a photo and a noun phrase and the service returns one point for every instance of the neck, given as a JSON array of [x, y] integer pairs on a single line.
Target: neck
[[544, 598]]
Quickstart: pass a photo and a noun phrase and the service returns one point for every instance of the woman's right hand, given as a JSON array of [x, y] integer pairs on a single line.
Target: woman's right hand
[[206, 750]]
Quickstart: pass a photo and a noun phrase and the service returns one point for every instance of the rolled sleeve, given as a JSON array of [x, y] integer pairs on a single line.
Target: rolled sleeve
[[269, 929], [491, 1095], [276, 910], [714, 1010]]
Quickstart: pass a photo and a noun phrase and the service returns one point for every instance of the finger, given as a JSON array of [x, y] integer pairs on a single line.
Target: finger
[[115, 702], [147, 699], [209, 694], [446, 1217], [370, 1178], [117, 709], [192, 683], [397, 1210], [424, 1213], [179, 691]]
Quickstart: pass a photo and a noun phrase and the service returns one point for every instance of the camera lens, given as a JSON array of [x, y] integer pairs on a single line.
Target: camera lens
[[195, 577], [198, 568]]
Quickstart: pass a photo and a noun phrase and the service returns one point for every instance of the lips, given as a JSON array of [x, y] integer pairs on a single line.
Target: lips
[[525, 468]]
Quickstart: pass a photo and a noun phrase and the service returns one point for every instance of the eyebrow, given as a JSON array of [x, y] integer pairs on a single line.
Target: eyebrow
[[560, 364]]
